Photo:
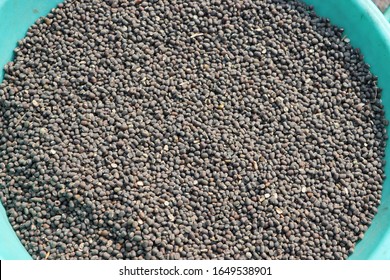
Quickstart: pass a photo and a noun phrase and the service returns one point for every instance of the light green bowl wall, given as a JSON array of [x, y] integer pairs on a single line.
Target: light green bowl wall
[[364, 25]]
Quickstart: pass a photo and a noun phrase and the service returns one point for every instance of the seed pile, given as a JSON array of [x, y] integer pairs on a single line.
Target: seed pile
[[189, 130]]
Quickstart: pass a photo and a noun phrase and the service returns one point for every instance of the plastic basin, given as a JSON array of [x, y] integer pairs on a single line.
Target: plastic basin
[[363, 23]]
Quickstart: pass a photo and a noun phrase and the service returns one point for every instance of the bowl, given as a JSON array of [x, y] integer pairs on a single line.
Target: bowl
[[365, 26]]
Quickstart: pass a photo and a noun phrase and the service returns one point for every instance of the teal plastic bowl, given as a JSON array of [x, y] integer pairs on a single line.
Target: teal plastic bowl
[[364, 25]]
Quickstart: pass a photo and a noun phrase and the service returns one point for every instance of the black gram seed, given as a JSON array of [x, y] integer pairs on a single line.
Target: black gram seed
[[189, 130]]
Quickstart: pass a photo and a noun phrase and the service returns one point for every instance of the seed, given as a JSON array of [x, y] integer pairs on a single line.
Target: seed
[[360, 106], [221, 106], [255, 166], [48, 21], [137, 238], [35, 103], [140, 184], [232, 130], [106, 256], [43, 131], [145, 133], [278, 210]]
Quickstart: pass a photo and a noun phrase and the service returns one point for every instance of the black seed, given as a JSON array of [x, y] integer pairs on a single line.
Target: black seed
[[189, 130]]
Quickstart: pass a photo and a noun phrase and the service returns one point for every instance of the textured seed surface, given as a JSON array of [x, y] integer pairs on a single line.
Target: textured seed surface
[[189, 130]]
